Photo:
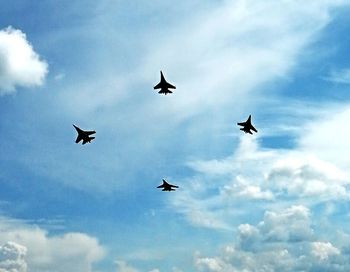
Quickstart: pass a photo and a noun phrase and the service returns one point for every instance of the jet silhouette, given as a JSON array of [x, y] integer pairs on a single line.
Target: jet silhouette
[[84, 135], [163, 85], [247, 126], [167, 187]]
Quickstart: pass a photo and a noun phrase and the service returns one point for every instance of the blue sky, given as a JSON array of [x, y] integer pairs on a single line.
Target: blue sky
[[274, 201]]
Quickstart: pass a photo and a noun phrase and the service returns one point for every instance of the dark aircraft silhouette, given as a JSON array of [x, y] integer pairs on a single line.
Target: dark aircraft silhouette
[[167, 187], [247, 126], [163, 85], [84, 135]]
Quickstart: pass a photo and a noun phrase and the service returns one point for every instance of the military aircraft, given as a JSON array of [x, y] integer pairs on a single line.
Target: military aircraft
[[84, 135], [167, 187], [247, 126], [163, 85]]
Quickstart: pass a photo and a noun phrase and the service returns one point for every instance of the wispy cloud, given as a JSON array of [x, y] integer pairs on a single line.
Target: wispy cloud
[[216, 57], [339, 76]]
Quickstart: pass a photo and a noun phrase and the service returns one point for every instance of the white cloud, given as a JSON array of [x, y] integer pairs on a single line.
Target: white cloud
[[68, 252], [233, 50], [291, 224], [220, 190], [229, 50], [122, 266], [254, 250], [244, 190], [323, 250], [12, 258], [327, 136], [306, 175], [227, 47], [20, 65]]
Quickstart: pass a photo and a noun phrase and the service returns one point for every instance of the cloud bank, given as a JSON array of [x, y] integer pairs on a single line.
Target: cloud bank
[[12, 258], [28, 248], [20, 65], [282, 241]]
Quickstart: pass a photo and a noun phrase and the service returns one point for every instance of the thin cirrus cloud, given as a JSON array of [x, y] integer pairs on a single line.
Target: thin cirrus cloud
[[20, 65], [218, 55], [339, 76], [215, 57]]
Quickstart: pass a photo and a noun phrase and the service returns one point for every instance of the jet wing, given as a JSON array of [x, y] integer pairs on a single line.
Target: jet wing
[[160, 186], [79, 138], [158, 86], [77, 129], [253, 128], [90, 132], [170, 86], [174, 186]]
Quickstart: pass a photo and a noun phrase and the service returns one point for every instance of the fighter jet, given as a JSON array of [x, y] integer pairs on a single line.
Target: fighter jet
[[163, 85], [167, 187], [84, 135], [247, 126]]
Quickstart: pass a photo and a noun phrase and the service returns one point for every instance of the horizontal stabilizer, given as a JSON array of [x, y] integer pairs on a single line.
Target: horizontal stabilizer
[[165, 91]]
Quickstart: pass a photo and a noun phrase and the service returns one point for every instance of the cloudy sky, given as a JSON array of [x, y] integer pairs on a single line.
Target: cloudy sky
[[274, 201]]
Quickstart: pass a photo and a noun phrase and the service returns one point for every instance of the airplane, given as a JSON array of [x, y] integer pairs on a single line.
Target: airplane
[[163, 85], [84, 135], [167, 187], [247, 126]]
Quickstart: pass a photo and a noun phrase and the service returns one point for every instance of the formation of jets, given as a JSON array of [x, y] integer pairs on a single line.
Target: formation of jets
[[164, 86]]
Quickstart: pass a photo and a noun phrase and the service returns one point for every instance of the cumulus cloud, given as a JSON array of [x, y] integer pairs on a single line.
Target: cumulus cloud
[[123, 266], [291, 224], [254, 250], [12, 258], [58, 253], [323, 250], [244, 190], [217, 194], [20, 65], [308, 176]]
